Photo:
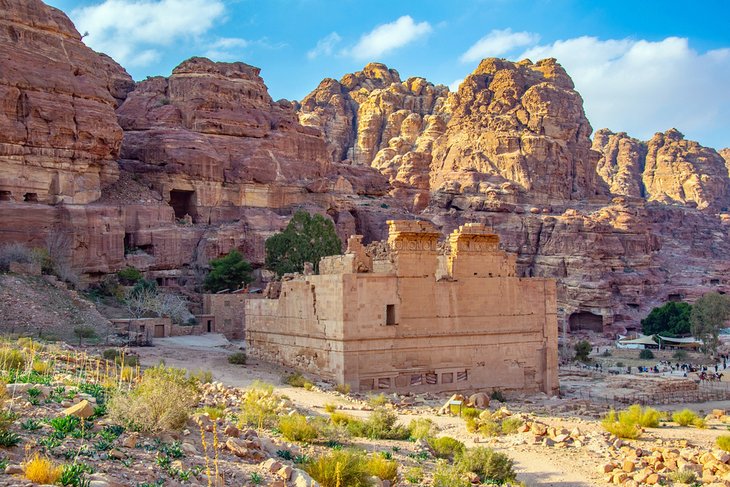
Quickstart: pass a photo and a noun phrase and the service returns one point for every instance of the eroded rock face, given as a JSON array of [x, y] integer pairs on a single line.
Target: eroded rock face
[[517, 128], [682, 171], [211, 127], [59, 136], [667, 168], [622, 162]]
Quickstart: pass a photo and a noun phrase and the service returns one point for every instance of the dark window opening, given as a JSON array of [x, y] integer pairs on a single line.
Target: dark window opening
[[210, 326], [127, 240], [715, 282], [633, 305], [390, 314], [183, 204], [33, 197], [6, 196], [160, 281], [674, 297]]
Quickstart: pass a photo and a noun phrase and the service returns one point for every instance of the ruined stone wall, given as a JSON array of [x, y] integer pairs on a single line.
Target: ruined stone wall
[[227, 310], [407, 330], [301, 329]]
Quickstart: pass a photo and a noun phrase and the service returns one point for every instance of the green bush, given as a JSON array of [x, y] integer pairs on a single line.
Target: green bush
[[237, 358], [621, 426], [420, 428], [491, 466], [378, 466], [646, 354], [685, 417], [129, 276], [11, 359], [295, 427], [680, 355], [445, 447], [723, 442], [162, 401], [497, 395], [446, 475], [380, 425], [339, 468]]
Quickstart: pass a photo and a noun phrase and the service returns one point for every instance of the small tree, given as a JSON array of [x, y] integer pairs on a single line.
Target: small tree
[[670, 319], [708, 317], [228, 272], [84, 332], [582, 350], [307, 238]]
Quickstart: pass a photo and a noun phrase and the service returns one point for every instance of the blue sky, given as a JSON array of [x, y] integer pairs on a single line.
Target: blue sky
[[641, 66]]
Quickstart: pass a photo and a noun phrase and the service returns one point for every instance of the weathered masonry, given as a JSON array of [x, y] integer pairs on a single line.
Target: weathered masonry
[[414, 320]]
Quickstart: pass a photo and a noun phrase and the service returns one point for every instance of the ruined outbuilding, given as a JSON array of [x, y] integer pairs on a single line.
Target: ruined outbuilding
[[415, 320]]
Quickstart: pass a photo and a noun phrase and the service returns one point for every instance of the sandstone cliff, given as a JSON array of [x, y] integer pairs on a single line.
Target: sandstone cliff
[[59, 136], [666, 168]]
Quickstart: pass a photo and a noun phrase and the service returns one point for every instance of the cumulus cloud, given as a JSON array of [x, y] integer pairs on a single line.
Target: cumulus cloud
[[325, 46], [388, 37], [497, 43], [134, 31], [642, 87]]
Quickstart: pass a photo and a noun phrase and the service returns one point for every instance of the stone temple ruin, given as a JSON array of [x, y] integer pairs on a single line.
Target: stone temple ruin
[[414, 320]]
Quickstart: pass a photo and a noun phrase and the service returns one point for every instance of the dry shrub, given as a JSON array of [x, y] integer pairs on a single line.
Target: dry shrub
[[14, 252], [421, 428], [260, 406], [491, 466], [646, 417], [162, 401], [447, 475], [42, 470], [621, 426], [343, 388], [340, 468], [723, 442], [511, 425], [11, 359], [445, 447], [295, 427], [380, 425], [685, 417], [379, 466]]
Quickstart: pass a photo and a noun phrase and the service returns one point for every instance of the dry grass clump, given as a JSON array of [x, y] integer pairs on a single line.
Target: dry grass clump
[[723, 442], [687, 417], [42, 470], [421, 428], [295, 427], [620, 426], [11, 359], [260, 406], [629, 423], [498, 423], [297, 380], [340, 468], [445, 447], [162, 401], [380, 425], [237, 358], [489, 465]]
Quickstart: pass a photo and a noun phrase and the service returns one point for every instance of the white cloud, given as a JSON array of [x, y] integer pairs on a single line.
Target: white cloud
[[387, 37], [133, 31], [454, 85], [642, 87], [324, 46], [496, 43], [226, 49]]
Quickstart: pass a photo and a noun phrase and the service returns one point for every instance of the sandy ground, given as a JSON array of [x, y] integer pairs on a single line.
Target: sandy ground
[[536, 465]]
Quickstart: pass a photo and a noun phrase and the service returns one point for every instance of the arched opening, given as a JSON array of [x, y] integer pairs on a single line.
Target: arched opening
[[585, 320]]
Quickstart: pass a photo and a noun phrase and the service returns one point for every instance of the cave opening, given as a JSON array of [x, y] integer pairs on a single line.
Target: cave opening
[[32, 197], [585, 320], [183, 203]]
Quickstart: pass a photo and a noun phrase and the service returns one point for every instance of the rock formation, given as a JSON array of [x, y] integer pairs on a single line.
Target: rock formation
[[622, 162], [59, 136]]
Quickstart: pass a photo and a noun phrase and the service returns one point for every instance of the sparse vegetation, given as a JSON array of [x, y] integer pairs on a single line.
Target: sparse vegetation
[[340, 468], [723, 442], [684, 476], [582, 350], [162, 401], [421, 428], [447, 475], [237, 358], [646, 354], [260, 406], [490, 466], [687, 417], [129, 276], [295, 427], [621, 426], [381, 425], [446, 447], [296, 379], [84, 332]]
